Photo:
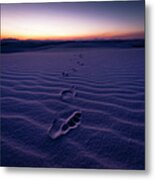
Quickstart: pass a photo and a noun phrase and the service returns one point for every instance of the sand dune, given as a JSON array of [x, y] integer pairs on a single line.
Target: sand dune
[[43, 91]]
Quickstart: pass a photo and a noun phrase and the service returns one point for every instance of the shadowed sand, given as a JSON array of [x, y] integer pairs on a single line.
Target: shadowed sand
[[75, 108]]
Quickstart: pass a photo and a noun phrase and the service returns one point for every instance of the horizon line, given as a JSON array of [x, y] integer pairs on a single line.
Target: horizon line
[[106, 35], [102, 39]]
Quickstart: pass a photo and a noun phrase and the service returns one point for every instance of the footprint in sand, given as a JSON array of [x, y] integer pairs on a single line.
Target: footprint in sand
[[68, 94], [60, 127], [74, 70], [80, 63], [80, 56], [65, 74]]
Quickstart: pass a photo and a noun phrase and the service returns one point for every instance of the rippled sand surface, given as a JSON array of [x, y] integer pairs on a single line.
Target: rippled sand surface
[[77, 108]]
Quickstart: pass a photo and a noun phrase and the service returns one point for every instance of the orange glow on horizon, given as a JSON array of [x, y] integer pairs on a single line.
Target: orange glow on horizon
[[108, 35]]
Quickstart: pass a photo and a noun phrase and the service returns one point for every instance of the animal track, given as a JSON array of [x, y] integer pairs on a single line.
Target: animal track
[[58, 128]]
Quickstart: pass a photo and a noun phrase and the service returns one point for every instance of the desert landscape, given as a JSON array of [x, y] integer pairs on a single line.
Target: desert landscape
[[73, 103]]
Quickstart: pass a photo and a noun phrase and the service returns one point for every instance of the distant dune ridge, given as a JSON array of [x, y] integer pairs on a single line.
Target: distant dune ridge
[[15, 45], [81, 107]]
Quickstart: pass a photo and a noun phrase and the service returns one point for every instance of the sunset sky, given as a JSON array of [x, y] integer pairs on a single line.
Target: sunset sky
[[67, 21]]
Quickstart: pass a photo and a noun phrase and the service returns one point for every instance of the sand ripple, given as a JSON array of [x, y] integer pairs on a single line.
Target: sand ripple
[[99, 122]]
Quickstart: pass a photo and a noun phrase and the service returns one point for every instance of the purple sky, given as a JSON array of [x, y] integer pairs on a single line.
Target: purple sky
[[80, 20]]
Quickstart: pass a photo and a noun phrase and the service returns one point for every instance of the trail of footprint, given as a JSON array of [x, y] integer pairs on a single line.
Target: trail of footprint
[[60, 127], [67, 74], [79, 62]]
